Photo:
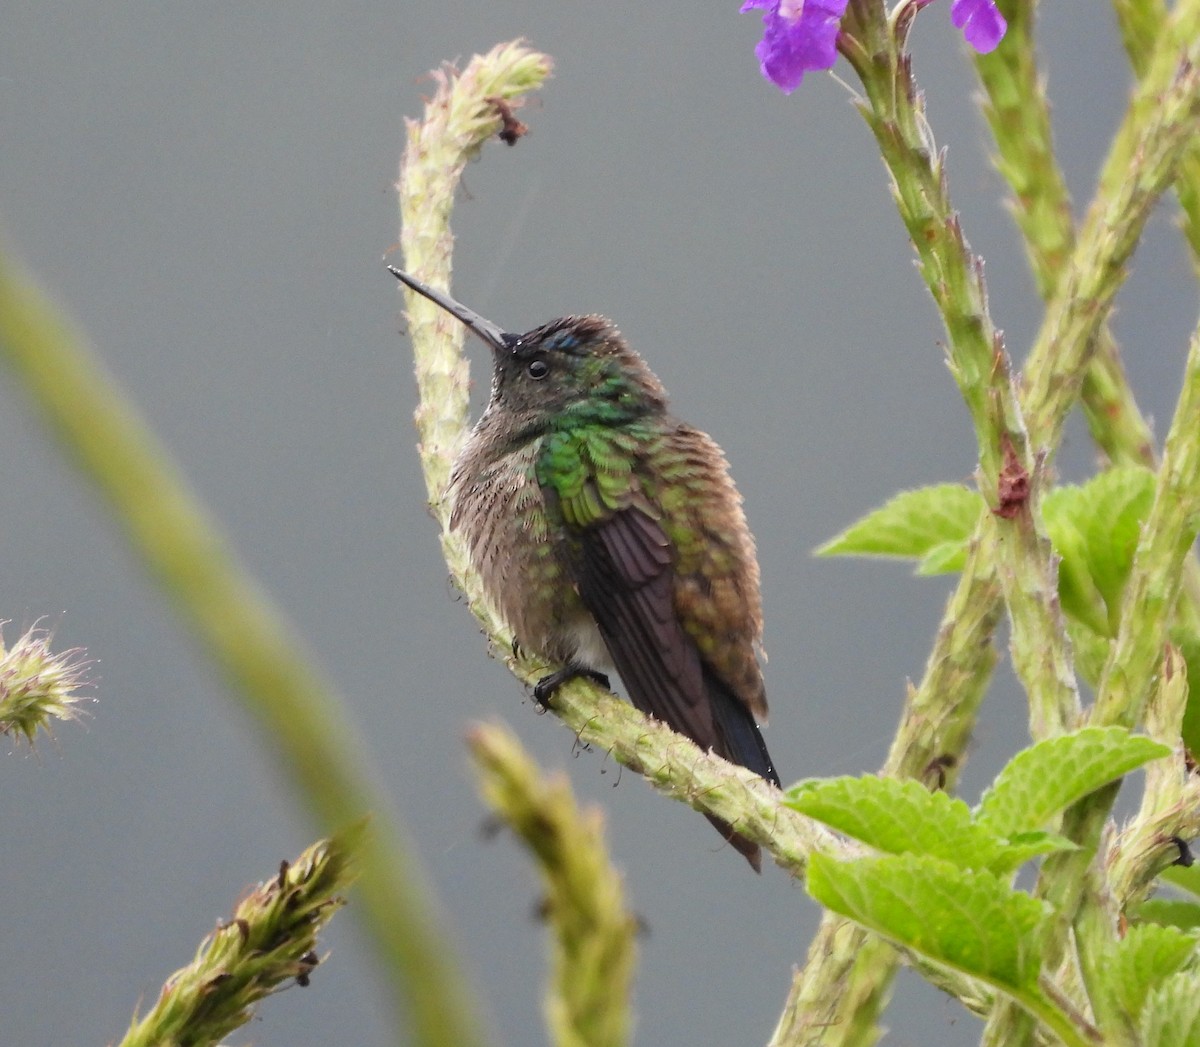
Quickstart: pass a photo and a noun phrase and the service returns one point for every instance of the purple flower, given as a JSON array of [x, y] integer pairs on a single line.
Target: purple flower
[[981, 23], [800, 35]]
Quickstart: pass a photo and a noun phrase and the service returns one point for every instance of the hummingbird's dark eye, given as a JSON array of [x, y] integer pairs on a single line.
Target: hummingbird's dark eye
[[537, 369]]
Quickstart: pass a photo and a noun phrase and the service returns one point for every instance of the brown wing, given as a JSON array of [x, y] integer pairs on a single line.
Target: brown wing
[[624, 573]]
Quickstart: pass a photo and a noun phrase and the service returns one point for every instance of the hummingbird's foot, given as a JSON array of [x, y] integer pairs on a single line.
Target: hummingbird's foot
[[544, 689]]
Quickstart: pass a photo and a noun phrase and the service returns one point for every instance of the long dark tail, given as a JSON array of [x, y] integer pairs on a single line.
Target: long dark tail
[[739, 741]]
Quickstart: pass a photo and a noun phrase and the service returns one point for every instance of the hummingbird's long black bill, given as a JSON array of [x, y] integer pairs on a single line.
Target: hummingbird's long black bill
[[497, 340]]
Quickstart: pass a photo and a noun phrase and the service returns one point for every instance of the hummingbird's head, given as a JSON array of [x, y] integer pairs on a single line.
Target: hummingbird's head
[[577, 370]]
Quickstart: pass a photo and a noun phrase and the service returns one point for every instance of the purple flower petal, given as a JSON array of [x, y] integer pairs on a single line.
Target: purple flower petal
[[799, 35], [982, 25]]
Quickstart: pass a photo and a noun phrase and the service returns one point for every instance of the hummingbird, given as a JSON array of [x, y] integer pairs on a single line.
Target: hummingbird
[[609, 535]]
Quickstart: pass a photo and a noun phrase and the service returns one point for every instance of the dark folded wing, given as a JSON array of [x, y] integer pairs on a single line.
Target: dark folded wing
[[625, 580]]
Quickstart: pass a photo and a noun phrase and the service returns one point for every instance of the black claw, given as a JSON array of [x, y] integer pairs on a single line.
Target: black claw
[[544, 689], [1186, 858]]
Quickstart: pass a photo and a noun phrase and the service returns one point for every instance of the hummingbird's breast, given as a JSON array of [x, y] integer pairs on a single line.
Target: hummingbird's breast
[[497, 506]]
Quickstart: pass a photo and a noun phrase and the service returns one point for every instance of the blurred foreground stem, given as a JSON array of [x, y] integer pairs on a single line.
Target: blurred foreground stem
[[299, 715], [587, 1001]]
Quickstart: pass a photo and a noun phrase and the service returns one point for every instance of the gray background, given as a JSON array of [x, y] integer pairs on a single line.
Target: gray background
[[208, 187]]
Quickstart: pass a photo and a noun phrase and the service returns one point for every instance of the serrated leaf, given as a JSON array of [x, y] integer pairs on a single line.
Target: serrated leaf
[[911, 524], [1143, 959], [1042, 780], [1019, 849], [1171, 1016], [967, 919], [898, 816], [1169, 912]]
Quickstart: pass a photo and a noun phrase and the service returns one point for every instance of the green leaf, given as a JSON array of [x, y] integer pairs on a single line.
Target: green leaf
[[1090, 650], [1020, 848], [1117, 501], [1077, 591], [901, 816], [911, 524], [966, 919], [898, 816], [1189, 646], [1186, 878], [947, 558], [1169, 912], [1143, 959], [1094, 529], [1171, 1017], [1042, 780]]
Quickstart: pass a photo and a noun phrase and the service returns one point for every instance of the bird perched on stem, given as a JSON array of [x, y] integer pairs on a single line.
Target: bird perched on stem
[[608, 533]]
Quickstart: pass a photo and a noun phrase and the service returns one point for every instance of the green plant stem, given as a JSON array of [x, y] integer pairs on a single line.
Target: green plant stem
[[1170, 807], [1056, 1019], [676, 767], [1139, 22], [1162, 120], [940, 712], [1009, 477], [301, 720], [837, 996], [1166, 539], [460, 117], [1019, 119], [892, 79], [1018, 116], [1134, 659], [846, 970], [1142, 22]]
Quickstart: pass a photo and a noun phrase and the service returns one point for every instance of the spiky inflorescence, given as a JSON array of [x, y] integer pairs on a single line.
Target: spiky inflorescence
[[38, 686], [269, 941]]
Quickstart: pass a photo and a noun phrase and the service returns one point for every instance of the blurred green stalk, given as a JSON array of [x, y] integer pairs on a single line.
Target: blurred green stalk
[[300, 717], [587, 1000]]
